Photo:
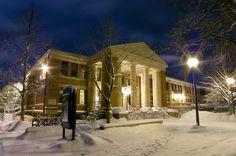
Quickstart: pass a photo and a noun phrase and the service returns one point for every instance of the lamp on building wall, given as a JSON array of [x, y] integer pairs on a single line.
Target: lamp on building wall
[[193, 63], [126, 91], [44, 76], [45, 68], [231, 82]]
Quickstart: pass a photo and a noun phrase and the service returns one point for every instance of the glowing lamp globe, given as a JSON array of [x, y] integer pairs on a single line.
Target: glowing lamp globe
[[230, 81], [192, 62]]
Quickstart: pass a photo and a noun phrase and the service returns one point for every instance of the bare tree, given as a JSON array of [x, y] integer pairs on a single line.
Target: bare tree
[[22, 45], [109, 68], [207, 27], [218, 90]]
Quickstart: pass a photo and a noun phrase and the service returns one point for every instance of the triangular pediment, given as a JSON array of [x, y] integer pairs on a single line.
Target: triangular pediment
[[139, 53]]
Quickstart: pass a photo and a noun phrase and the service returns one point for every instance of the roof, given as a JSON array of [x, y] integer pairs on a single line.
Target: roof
[[61, 55], [173, 80], [137, 53], [65, 53], [67, 56]]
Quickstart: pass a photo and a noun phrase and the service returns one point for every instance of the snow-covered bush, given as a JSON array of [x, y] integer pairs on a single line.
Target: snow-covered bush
[[218, 91], [148, 113], [10, 98]]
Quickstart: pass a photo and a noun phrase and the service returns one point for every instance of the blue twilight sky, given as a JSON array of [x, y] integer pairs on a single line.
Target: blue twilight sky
[[71, 23]]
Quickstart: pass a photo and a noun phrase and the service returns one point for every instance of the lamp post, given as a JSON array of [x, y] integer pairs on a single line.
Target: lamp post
[[231, 82], [193, 63]]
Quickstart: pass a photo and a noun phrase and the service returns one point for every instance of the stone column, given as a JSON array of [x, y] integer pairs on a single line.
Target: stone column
[[184, 93], [92, 88], [142, 91], [133, 85], [146, 88], [158, 88], [155, 92], [116, 96], [161, 88], [170, 93]]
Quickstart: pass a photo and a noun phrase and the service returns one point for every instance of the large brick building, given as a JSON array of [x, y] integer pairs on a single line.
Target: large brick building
[[142, 74]]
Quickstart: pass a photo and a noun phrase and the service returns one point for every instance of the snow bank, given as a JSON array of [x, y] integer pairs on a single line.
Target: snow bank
[[148, 113], [42, 132], [176, 137]]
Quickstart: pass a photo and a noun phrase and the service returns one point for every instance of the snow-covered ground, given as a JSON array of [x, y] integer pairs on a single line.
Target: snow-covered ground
[[175, 137]]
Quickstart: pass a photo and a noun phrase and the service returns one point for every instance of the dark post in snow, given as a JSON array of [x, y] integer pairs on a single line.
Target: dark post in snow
[[232, 100], [193, 63], [69, 110], [196, 104]]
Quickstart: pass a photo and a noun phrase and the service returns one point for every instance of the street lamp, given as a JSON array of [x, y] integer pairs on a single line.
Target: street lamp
[[193, 63], [231, 82]]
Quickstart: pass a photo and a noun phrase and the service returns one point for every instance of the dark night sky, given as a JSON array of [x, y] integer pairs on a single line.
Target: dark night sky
[[71, 23]]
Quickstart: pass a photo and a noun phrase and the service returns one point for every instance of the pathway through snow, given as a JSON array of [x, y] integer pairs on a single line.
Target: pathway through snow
[[175, 137]]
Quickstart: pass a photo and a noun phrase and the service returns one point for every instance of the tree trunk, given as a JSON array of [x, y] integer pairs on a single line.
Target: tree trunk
[[22, 114], [231, 109], [108, 111]]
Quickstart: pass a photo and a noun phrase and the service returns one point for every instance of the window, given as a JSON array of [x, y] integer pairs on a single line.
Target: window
[[83, 74], [74, 70], [129, 82], [99, 72], [98, 95], [64, 67], [167, 86], [60, 95], [82, 99], [123, 80]]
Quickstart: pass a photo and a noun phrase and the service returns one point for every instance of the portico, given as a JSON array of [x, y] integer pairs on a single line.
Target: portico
[[140, 80]]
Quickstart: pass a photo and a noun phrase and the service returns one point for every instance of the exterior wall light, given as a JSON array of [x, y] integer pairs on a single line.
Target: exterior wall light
[[126, 91], [45, 68]]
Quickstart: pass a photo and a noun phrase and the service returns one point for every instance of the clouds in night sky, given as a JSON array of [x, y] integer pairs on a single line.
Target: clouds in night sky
[[75, 20], [71, 23]]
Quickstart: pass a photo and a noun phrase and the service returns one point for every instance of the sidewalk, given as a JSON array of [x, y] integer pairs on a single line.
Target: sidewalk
[[131, 123]]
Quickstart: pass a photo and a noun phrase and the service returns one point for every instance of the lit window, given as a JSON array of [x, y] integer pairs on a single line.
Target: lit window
[[97, 97], [82, 99]]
